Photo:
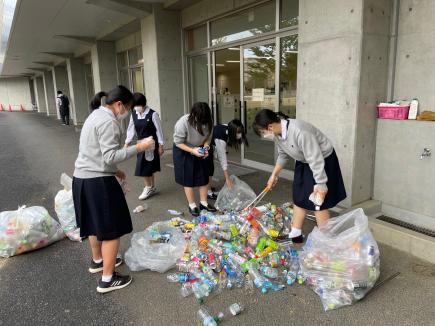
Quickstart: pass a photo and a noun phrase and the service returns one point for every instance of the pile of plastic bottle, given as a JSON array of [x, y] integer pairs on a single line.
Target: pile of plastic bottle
[[236, 250]]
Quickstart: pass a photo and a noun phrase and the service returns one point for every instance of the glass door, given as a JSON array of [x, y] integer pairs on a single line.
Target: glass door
[[198, 79], [258, 92]]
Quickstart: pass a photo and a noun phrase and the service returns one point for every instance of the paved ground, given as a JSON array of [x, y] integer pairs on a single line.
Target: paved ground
[[51, 286]]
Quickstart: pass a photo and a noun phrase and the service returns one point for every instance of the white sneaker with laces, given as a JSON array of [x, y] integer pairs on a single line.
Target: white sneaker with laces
[[144, 193]]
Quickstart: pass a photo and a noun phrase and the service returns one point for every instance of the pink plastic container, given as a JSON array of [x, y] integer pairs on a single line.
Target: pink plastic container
[[396, 112]]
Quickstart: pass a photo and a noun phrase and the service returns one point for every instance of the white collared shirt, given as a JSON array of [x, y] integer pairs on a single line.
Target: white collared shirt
[[131, 130], [284, 129]]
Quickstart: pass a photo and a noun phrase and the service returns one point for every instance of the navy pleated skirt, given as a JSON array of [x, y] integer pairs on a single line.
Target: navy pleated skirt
[[101, 208], [190, 170], [146, 168], [303, 184]]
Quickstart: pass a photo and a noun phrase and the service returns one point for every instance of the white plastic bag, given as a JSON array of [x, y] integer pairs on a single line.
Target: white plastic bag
[[64, 207], [157, 248], [237, 198], [340, 261], [27, 229]]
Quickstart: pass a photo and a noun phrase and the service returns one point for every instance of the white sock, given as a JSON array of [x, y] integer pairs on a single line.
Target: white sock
[[204, 203], [192, 205], [209, 192], [295, 233], [106, 278], [98, 261]]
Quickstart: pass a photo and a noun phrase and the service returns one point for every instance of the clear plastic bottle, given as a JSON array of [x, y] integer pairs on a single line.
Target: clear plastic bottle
[[231, 311], [178, 277], [205, 318], [186, 290], [187, 266], [269, 272]]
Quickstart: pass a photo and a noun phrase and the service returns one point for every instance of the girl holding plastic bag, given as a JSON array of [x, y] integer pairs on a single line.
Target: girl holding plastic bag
[[101, 209], [318, 184], [231, 135]]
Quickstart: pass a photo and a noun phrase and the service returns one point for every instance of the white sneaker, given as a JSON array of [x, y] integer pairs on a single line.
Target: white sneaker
[[147, 192]]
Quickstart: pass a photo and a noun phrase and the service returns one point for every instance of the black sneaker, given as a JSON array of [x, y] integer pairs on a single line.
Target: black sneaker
[[96, 268], [212, 196], [194, 212], [208, 208], [118, 282]]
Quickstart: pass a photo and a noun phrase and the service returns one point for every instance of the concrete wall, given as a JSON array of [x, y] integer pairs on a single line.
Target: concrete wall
[[161, 45], [415, 60], [15, 91], [129, 42], [208, 9], [403, 182], [77, 89], [103, 56], [40, 97]]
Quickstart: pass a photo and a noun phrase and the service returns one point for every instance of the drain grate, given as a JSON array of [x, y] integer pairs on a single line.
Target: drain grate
[[408, 226]]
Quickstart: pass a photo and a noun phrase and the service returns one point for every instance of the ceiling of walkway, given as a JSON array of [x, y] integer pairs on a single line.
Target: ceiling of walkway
[[69, 27]]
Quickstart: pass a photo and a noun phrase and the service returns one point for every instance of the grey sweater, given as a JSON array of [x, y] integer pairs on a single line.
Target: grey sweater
[[100, 146], [307, 144], [184, 133]]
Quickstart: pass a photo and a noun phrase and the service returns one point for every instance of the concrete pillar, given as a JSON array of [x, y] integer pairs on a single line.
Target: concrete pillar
[[161, 46], [50, 96], [77, 89], [60, 82], [103, 56], [40, 95], [342, 73]]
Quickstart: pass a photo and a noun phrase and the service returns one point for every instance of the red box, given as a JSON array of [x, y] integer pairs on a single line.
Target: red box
[[396, 112]]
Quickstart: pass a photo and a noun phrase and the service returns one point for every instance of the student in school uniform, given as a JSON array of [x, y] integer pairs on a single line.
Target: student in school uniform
[[192, 136], [101, 209], [232, 135], [317, 170], [145, 122]]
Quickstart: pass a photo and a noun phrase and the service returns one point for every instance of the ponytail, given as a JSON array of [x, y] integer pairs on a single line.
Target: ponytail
[[96, 101], [119, 93]]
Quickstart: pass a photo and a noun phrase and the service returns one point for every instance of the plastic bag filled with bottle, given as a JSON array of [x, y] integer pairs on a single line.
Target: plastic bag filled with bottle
[[340, 260], [157, 248], [64, 207], [27, 229], [236, 198]]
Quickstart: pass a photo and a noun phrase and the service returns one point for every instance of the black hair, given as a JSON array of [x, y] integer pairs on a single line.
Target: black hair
[[119, 93], [200, 114], [139, 99], [234, 126], [264, 118], [59, 92]]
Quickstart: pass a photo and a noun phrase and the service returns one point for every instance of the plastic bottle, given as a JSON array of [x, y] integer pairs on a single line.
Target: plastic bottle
[[181, 277], [232, 311], [208, 272], [249, 284], [223, 236], [257, 278], [253, 237], [293, 271], [244, 229], [413, 109], [186, 290], [261, 244], [205, 318], [273, 244], [187, 266], [269, 272], [237, 258], [212, 260]]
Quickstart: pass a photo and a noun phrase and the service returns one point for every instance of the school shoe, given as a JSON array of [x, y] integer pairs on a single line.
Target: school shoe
[[98, 267], [147, 192], [117, 282], [208, 208], [212, 196], [194, 211]]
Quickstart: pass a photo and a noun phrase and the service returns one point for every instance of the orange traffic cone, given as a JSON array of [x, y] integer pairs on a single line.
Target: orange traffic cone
[[21, 108], [10, 108], [1, 107]]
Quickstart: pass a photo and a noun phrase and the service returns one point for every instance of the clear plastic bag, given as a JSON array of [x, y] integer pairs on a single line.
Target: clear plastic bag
[[237, 198], [157, 248], [340, 261], [64, 207], [27, 229]]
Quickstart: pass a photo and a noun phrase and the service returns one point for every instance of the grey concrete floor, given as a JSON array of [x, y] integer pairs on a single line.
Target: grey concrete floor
[[51, 286]]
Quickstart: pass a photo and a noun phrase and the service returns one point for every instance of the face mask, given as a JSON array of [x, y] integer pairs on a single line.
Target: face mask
[[122, 116], [268, 135], [138, 109], [239, 136]]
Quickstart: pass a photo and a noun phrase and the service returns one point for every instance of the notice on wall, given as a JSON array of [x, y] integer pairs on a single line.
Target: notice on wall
[[228, 101], [258, 94]]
